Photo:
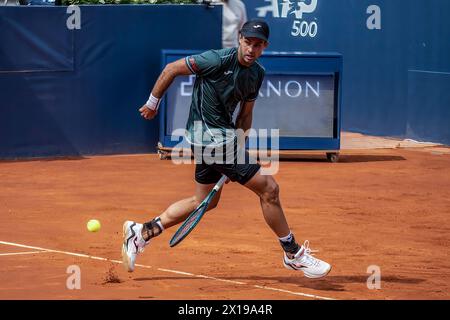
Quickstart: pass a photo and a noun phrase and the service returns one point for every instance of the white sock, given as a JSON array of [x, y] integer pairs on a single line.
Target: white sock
[[288, 238], [158, 222]]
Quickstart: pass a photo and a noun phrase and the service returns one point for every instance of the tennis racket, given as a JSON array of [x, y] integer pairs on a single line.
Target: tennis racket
[[193, 219]]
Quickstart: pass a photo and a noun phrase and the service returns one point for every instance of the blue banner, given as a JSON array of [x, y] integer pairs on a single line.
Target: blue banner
[[393, 50], [72, 81]]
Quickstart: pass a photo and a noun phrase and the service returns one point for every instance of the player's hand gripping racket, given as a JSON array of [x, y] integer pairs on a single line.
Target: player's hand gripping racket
[[196, 215]]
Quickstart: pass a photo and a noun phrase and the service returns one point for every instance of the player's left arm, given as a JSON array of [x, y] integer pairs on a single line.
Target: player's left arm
[[244, 120], [245, 117]]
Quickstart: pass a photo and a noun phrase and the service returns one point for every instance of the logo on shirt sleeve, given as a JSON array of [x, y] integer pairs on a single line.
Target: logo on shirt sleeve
[[194, 66]]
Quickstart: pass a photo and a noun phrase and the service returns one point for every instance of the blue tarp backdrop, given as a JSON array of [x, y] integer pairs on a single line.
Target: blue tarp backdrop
[[396, 58], [76, 92]]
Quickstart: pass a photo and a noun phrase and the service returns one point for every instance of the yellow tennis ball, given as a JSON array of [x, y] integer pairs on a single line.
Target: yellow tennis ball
[[93, 225]]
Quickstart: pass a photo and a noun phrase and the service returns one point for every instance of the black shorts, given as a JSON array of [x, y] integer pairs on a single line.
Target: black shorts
[[238, 171]]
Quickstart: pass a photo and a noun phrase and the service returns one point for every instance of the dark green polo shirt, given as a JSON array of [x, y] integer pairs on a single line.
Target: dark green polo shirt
[[221, 83]]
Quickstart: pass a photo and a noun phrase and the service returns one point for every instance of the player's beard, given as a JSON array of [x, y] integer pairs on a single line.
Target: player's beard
[[242, 58]]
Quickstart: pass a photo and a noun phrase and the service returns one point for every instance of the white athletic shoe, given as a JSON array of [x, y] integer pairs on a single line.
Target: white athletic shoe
[[304, 261], [133, 243]]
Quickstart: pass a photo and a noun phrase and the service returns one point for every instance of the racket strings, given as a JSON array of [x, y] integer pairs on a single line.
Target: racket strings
[[195, 216], [188, 225]]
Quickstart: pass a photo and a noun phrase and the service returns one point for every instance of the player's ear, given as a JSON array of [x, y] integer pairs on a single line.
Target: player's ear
[[241, 38], [266, 44]]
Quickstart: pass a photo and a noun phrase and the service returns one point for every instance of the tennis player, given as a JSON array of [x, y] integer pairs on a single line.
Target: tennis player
[[224, 78]]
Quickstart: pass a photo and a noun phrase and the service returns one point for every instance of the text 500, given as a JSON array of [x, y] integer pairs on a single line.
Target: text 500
[[304, 28]]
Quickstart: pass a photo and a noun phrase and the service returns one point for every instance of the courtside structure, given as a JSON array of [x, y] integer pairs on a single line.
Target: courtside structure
[[300, 95]]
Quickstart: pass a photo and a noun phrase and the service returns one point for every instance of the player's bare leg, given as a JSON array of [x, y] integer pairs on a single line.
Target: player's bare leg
[[179, 211], [295, 257], [136, 236], [268, 192]]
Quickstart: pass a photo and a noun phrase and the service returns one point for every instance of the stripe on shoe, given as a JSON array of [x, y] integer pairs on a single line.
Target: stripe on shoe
[[132, 234]]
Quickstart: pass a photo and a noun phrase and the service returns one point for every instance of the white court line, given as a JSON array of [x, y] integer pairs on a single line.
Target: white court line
[[177, 272], [18, 253], [166, 270], [217, 279], [295, 293]]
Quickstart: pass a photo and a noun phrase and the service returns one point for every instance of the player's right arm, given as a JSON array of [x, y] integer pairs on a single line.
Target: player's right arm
[[165, 79]]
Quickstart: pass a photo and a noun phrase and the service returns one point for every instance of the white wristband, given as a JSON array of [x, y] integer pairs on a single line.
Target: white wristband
[[152, 103]]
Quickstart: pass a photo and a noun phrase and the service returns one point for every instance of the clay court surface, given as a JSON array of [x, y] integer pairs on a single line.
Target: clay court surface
[[383, 207]]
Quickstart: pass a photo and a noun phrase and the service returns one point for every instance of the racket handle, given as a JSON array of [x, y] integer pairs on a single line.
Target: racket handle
[[220, 183]]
